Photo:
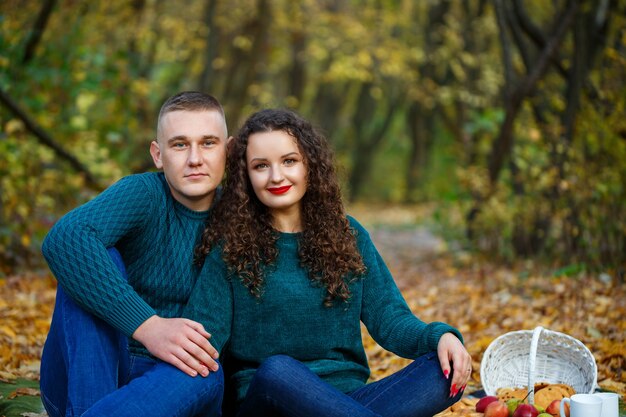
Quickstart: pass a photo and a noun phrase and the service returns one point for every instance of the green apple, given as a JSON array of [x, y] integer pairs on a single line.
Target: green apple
[[512, 405]]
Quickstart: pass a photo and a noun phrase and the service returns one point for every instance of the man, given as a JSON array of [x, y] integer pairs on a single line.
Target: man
[[114, 315]]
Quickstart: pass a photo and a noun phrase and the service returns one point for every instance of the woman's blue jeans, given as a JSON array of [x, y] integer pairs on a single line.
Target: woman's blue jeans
[[283, 386], [86, 370]]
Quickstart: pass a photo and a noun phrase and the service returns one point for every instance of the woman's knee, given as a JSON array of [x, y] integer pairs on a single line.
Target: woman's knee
[[424, 374], [279, 368], [277, 364]]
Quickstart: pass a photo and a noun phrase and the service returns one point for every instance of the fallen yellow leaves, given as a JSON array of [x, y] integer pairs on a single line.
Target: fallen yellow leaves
[[465, 407], [610, 385], [25, 313], [23, 391]]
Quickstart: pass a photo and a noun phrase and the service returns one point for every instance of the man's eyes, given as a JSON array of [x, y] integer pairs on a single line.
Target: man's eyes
[[183, 145]]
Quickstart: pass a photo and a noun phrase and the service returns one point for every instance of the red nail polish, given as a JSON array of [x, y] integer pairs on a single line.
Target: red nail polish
[[446, 373], [453, 390]]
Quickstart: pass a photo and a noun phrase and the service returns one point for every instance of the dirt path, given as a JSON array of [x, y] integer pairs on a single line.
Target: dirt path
[[417, 246]]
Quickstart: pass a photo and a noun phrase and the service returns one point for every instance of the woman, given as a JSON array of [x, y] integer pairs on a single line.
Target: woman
[[304, 275]]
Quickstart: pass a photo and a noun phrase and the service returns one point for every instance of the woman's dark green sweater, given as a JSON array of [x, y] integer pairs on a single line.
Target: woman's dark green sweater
[[290, 318]]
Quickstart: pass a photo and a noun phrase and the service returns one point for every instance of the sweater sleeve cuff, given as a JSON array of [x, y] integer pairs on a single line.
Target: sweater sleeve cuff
[[132, 312], [439, 329]]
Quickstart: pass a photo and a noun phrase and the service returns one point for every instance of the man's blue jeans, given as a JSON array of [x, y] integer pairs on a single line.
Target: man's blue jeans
[[86, 369], [283, 386]]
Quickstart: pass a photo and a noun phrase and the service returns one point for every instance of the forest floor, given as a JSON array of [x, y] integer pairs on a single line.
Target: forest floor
[[482, 299]]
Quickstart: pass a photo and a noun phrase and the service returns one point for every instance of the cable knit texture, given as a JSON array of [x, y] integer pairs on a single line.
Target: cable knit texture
[[155, 235], [290, 319]]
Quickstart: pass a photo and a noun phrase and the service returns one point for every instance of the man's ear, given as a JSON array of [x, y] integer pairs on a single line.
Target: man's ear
[[155, 151], [229, 140]]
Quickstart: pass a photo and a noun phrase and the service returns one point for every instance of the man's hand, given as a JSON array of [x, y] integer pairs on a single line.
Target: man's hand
[[179, 342]]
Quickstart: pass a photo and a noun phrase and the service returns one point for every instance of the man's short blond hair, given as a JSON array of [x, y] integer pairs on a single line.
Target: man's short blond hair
[[189, 101]]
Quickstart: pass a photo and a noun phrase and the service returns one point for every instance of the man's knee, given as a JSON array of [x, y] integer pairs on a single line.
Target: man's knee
[[217, 377], [212, 385], [209, 394]]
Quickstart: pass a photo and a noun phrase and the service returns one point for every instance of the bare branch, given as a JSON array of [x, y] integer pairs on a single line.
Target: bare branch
[[47, 140], [517, 35], [38, 29], [565, 21], [534, 33], [507, 61]]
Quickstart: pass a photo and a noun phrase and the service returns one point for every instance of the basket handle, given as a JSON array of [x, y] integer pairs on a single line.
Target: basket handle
[[531, 364]]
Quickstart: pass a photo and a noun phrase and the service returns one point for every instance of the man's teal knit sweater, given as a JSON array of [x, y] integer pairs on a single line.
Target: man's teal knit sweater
[[290, 318], [155, 235]]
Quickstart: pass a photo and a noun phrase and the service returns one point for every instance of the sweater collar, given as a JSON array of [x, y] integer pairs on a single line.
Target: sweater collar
[[187, 212]]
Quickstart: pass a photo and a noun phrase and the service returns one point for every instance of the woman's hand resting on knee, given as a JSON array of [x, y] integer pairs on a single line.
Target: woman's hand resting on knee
[[454, 360]]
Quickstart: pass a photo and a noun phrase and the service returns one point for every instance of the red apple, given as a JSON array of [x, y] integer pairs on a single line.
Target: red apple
[[525, 410], [496, 409], [554, 407], [484, 402]]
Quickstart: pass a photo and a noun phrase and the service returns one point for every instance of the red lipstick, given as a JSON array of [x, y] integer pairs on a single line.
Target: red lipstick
[[279, 190]]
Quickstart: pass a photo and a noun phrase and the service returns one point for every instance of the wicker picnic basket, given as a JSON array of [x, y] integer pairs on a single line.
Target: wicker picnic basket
[[522, 358]]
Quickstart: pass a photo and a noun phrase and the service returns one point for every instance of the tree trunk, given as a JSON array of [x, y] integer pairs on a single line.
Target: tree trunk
[[329, 101], [369, 134], [421, 126], [205, 82], [297, 73], [416, 136], [503, 145], [420, 118], [587, 40], [245, 64]]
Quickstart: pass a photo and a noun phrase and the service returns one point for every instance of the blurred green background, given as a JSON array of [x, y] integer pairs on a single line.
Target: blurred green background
[[505, 117]]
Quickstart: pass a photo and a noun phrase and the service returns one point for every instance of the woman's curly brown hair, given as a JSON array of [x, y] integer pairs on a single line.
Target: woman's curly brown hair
[[243, 225]]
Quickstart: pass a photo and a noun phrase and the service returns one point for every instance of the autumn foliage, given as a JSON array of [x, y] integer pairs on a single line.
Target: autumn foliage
[[510, 111]]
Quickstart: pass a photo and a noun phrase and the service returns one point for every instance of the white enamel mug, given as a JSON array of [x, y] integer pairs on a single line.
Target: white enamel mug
[[609, 403], [582, 405]]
